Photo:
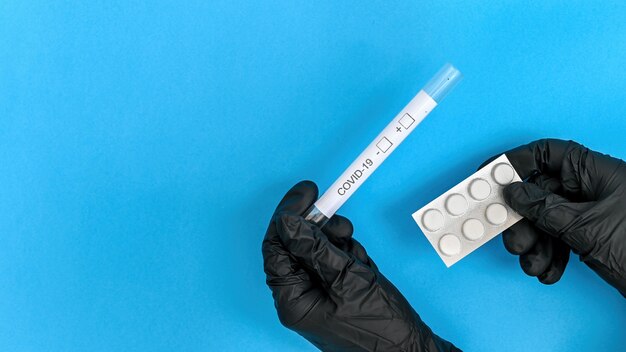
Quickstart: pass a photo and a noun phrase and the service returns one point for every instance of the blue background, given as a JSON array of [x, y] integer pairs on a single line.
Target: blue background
[[144, 145]]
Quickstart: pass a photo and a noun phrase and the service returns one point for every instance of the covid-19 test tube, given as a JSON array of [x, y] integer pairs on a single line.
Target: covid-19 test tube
[[384, 144]]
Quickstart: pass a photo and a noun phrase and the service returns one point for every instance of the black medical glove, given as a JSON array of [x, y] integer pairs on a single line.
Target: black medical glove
[[328, 290], [575, 199]]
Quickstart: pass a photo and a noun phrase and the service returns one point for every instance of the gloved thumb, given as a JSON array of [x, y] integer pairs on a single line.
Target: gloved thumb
[[552, 213]]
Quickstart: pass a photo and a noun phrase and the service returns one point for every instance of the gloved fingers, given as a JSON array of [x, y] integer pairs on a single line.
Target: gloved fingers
[[547, 211], [521, 237], [525, 240], [359, 252], [584, 174], [546, 260], [560, 257], [276, 260], [548, 183], [542, 156], [294, 294], [589, 175], [538, 161], [538, 258], [292, 288], [298, 199], [339, 231], [338, 271]]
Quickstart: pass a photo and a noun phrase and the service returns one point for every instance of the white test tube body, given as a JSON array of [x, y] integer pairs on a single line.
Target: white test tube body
[[383, 145]]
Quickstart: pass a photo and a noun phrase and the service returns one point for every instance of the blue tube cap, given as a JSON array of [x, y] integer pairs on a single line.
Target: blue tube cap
[[442, 83]]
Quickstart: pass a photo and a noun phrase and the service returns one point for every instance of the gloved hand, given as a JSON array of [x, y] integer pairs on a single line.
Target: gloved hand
[[575, 199], [328, 290]]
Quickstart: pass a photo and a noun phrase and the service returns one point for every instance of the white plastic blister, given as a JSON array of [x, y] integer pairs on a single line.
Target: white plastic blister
[[470, 213]]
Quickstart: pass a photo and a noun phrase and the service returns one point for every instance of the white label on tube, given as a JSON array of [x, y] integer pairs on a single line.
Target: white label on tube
[[384, 144]]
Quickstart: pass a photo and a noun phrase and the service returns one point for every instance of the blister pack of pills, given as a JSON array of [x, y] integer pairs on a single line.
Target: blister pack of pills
[[470, 213]]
